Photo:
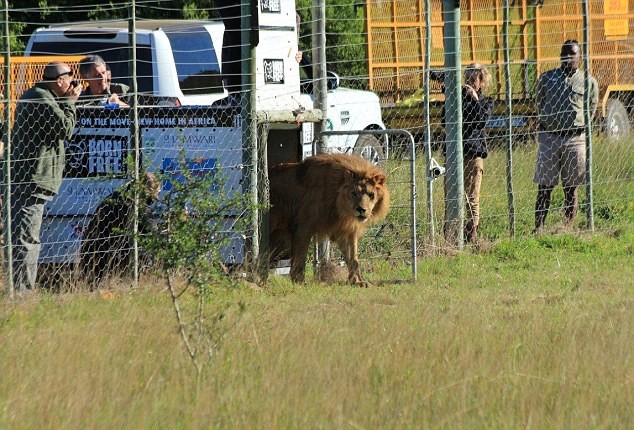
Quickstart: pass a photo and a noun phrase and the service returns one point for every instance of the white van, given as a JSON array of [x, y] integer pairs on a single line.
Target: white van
[[184, 67], [179, 62]]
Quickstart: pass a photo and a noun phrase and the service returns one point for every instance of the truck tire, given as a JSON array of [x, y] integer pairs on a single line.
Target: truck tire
[[617, 120], [370, 148]]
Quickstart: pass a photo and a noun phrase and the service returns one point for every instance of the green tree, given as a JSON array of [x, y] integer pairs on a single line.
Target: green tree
[[195, 221], [32, 14], [346, 43]]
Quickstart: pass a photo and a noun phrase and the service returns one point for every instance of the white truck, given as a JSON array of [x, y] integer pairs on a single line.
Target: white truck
[[186, 85]]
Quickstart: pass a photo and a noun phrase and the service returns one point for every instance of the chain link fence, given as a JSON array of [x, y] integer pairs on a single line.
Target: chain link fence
[[515, 43], [187, 109], [122, 145]]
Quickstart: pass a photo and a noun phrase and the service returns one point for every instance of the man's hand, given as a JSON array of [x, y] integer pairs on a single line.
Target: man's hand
[[114, 98], [73, 91]]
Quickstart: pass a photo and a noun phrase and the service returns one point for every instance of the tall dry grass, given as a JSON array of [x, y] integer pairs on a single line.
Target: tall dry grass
[[529, 334]]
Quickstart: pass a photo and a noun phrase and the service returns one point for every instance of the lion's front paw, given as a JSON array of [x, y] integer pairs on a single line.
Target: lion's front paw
[[358, 282]]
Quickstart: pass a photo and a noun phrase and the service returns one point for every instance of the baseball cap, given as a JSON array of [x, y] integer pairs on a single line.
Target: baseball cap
[[55, 69]]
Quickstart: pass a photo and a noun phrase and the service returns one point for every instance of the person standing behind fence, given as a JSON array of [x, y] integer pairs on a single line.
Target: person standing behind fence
[[94, 70], [476, 110], [44, 119], [561, 133]]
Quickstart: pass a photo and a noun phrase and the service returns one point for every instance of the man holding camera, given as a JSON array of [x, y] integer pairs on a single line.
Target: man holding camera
[[44, 120]]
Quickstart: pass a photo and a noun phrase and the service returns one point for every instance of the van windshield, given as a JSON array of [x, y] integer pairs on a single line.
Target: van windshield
[[196, 61]]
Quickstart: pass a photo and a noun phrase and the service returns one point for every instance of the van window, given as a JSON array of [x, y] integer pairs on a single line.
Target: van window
[[115, 54], [196, 61]]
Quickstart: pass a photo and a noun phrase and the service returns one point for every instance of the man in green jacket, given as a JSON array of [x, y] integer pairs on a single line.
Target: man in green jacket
[[45, 116]]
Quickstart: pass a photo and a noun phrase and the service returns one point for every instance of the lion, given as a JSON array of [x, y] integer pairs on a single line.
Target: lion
[[327, 196]]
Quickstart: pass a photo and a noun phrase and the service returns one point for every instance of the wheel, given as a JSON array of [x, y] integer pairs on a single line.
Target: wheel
[[617, 120], [370, 148]]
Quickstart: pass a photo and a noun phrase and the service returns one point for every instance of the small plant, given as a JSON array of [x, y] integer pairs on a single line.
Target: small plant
[[196, 217]]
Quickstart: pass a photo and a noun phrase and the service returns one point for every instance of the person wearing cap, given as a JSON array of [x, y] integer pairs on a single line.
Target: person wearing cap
[[44, 120], [94, 70]]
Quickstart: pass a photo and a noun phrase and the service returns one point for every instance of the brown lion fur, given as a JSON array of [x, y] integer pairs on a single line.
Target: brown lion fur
[[327, 196]]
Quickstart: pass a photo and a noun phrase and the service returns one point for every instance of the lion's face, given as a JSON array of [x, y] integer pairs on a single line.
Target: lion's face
[[364, 194]]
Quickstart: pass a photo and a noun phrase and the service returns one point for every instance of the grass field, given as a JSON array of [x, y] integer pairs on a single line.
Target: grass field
[[613, 201], [530, 332], [534, 333]]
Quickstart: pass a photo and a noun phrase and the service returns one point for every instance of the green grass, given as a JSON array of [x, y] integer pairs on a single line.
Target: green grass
[[613, 188], [530, 333]]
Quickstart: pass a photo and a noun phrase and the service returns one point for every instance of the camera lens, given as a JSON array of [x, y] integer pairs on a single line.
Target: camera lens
[[74, 83]]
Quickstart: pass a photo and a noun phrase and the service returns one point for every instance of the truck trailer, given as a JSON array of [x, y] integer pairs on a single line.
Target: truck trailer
[[536, 30]]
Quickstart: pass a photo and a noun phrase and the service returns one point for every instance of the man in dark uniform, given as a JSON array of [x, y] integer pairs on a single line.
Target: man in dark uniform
[[561, 134]]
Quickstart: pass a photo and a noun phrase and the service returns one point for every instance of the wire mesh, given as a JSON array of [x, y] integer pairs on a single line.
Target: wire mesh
[[536, 33], [190, 99]]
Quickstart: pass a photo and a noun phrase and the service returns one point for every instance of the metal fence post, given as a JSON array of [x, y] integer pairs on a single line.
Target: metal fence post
[[248, 40], [454, 191], [134, 132], [509, 119], [6, 209], [588, 114], [320, 87], [428, 157]]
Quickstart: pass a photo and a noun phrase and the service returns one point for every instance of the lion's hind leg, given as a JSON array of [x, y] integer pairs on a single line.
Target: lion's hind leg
[[300, 242]]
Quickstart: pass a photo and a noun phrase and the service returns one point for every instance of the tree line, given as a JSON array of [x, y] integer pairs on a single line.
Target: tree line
[[346, 44]]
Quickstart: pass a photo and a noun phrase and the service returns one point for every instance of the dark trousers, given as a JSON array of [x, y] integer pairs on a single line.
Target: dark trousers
[[27, 211]]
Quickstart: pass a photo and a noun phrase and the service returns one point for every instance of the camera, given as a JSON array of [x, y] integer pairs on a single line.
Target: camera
[[74, 83], [435, 170]]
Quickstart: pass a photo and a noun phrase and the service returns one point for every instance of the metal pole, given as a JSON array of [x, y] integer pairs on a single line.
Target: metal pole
[[509, 119], [428, 157], [588, 114], [453, 124], [6, 42], [320, 84], [414, 249], [320, 93], [248, 42], [135, 140]]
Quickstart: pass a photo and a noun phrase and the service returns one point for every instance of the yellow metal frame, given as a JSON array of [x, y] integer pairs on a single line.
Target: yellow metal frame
[[623, 88], [26, 71], [396, 51]]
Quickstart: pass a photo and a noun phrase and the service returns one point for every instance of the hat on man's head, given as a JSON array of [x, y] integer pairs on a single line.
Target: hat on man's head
[[55, 69]]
